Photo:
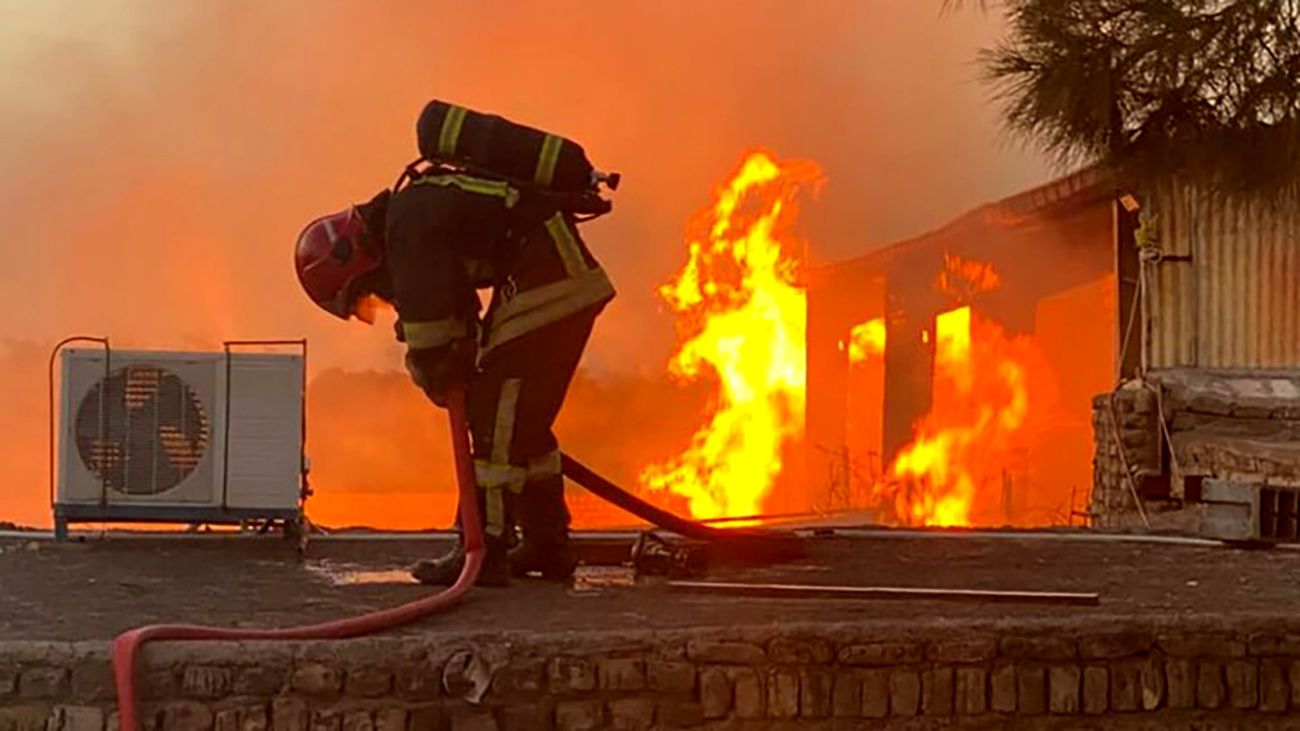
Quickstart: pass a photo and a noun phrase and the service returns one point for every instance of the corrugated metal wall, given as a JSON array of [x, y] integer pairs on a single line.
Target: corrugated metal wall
[[1227, 292]]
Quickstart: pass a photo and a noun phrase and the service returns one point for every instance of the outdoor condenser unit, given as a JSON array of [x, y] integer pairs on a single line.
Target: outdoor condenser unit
[[180, 437]]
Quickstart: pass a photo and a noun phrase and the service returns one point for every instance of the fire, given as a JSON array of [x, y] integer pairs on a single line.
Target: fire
[[954, 470], [963, 278], [867, 339], [741, 318]]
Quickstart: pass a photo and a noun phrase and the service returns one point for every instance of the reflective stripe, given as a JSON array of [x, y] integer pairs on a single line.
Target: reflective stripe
[[566, 245], [449, 135], [490, 474], [546, 160], [548, 303], [470, 184], [434, 334], [546, 465], [494, 517], [504, 430]]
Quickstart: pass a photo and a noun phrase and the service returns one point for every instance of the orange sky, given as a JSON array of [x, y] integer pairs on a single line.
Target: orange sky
[[159, 159]]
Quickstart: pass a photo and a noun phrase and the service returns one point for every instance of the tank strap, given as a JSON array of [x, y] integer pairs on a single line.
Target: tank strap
[[481, 186]]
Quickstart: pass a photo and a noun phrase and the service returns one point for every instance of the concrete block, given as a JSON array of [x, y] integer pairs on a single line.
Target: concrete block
[[467, 719], [970, 695], [631, 714], [205, 681], [783, 693], [326, 719], [260, 680], [1202, 645], [1002, 689], [24, 718], [1125, 686], [390, 719], [531, 716], [76, 718], [184, 716], [288, 714], [674, 712], [1274, 695], [1209, 684], [621, 673], [368, 681], [749, 693], [316, 679], [358, 720], [1031, 690], [1110, 646], [1038, 648], [794, 651], [815, 687], [964, 651], [91, 681], [725, 653], [584, 715], [571, 675], [1096, 689], [670, 676], [43, 682], [846, 695], [1152, 682], [937, 691], [715, 691], [1242, 678], [1063, 683], [876, 690], [1180, 682], [880, 653]]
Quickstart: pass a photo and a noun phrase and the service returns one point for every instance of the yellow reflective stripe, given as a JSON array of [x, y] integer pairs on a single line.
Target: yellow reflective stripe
[[545, 466], [490, 474], [504, 430], [470, 184], [548, 303], [547, 159], [433, 334], [494, 518], [566, 245], [449, 135]]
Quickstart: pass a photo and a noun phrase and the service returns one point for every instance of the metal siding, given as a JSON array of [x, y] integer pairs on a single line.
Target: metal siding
[[1235, 304]]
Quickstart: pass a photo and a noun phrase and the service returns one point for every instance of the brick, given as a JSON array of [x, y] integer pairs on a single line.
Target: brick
[[1293, 675], [368, 681], [520, 678], [791, 651], [358, 721], [1209, 685], [1202, 645], [970, 698], [621, 673], [91, 681], [715, 692], [725, 653], [904, 692], [1180, 682], [1110, 646], [750, 700], [160, 684], [1125, 686], [76, 718], [253, 717], [260, 680], [43, 682], [783, 693], [875, 693], [316, 679], [1038, 648], [427, 717], [679, 713], [9, 679], [418, 681], [1274, 695], [1031, 689], [670, 676], [968, 651], [1151, 680], [846, 695], [631, 714], [467, 719], [1273, 644], [1063, 683], [24, 718], [1096, 689], [390, 719], [226, 720], [536, 716], [184, 716], [205, 681], [326, 719], [880, 653], [1002, 689], [815, 687], [288, 714], [571, 675], [937, 692], [1242, 678]]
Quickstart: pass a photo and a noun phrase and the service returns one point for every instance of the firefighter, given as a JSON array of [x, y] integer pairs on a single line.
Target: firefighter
[[425, 248]]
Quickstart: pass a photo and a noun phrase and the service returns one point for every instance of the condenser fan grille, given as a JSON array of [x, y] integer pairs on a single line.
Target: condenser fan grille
[[142, 430]]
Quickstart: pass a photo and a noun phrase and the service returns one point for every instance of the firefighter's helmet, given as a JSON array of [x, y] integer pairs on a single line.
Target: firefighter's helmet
[[330, 256]]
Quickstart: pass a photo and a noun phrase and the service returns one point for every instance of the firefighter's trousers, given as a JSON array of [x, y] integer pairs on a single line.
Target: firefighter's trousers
[[513, 402]]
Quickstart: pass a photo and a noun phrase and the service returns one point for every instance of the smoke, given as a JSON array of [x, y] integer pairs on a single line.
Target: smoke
[[161, 157]]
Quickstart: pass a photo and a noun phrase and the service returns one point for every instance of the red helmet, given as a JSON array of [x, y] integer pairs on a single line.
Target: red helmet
[[330, 256]]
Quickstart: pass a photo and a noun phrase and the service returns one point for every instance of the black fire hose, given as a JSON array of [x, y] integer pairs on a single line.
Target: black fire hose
[[756, 545]]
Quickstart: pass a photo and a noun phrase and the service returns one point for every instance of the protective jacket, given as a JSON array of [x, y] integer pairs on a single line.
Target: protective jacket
[[448, 234]]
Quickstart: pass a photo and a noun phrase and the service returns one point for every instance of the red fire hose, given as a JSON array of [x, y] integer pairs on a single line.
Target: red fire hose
[[127, 645]]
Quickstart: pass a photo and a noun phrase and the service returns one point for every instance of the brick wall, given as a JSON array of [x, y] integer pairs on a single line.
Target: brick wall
[[1108, 674]]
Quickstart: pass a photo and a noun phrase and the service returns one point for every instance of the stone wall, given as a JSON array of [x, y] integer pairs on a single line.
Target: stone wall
[[1107, 673]]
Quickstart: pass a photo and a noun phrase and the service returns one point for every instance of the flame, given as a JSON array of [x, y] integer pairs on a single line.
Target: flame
[[740, 319], [867, 339], [954, 470], [964, 278]]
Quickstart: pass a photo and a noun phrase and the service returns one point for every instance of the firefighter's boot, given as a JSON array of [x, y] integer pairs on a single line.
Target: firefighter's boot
[[544, 523], [444, 570]]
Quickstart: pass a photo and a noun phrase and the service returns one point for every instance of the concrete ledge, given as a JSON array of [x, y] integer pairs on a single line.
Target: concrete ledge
[[1168, 672]]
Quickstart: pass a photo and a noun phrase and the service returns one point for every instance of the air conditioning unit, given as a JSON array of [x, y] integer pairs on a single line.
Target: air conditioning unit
[[180, 437]]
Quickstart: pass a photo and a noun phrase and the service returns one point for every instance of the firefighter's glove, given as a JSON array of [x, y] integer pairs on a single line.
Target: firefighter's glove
[[439, 371]]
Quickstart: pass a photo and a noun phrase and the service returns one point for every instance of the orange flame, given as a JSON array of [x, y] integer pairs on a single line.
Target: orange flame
[[741, 317], [954, 472], [963, 278], [867, 339]]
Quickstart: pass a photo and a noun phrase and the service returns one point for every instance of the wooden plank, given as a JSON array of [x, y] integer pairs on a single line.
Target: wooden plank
[[813, 591]]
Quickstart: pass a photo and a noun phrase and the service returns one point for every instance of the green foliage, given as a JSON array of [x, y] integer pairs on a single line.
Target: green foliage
[[1208, 90]]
